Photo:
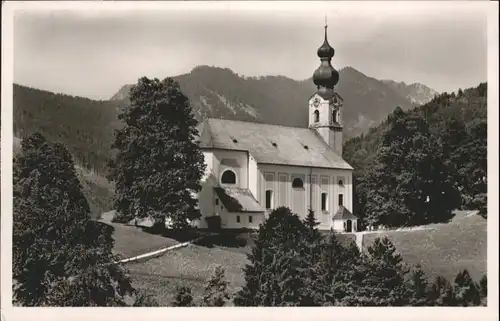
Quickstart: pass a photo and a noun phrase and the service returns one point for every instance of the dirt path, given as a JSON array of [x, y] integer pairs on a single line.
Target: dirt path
[[359, 235]]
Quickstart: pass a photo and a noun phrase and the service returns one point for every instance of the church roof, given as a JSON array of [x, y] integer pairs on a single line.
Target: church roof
[[270, 144], [344, 213], [238, 200]]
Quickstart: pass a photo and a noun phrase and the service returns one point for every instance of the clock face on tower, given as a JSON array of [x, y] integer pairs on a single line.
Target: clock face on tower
[[316, 102]]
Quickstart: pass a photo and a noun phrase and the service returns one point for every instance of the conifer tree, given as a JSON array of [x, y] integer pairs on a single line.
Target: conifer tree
[[144, 299], [314, 271], [346, 276], [466, 293], [483, 286], [380, 278], [483, 290], [441, 293], [183, 297], [216, 289], [274, 276], [158, 164], [60, 256], [417, 287], [340, 262]]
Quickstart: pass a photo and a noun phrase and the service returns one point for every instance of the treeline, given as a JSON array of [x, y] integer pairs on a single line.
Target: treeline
[[293, 264], [420, 165]]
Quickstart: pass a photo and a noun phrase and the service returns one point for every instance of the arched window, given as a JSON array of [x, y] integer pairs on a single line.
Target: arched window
[[316, 116], [334, 115], [269, 199], [341, 200], [324, 201], [228, 177], [341, 183], [297, 183]]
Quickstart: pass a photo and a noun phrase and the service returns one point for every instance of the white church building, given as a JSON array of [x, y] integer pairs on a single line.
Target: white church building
[[253, 168]]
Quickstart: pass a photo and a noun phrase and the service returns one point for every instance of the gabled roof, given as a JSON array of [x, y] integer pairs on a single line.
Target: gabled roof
[[344, 213], [270, 144], [238, 200]]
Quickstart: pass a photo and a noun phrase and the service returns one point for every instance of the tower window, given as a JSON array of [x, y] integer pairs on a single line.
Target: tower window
[[324, 201], [237, 219], [341, 183], [341, 200], [316, 116], [250, 219], [269, 199], [335, 116], [228, 177], [216, 201], [297, 183]]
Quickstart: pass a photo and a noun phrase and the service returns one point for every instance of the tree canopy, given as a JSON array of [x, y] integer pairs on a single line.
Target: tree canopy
[[60, 256], [420, 165], [158, 165]]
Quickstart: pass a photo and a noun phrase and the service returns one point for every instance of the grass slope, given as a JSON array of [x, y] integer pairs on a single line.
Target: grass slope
[[131, 241], [190, 266], [443, 249]]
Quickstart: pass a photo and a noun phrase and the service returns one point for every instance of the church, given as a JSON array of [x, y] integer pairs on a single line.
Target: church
[[253, 168]]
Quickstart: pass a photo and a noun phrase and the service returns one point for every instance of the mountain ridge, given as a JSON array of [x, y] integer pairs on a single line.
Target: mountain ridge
[[221, 93], [416, 92]]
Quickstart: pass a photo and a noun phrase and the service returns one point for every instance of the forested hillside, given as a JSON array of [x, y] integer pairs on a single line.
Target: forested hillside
[[85, 126], [438, 148]]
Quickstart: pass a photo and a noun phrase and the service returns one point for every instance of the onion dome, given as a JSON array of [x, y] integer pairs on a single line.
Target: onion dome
[[326, 51], [325, 76]]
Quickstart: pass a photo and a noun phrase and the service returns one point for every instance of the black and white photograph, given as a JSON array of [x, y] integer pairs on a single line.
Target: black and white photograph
[[250, 154]]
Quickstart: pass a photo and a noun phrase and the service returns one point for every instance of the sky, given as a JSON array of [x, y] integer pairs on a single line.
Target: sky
[[92, 53]]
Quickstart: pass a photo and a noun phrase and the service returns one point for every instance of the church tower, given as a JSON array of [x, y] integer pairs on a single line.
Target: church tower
[[325, 106]]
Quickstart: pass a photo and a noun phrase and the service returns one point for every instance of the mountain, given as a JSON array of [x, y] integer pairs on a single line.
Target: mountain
[[86, 126], [221, 93], [416, 93]]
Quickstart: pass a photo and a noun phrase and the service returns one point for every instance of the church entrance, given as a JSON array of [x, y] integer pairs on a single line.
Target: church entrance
[[348, 228]]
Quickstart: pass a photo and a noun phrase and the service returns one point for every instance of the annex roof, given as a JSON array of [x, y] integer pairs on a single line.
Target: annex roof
[[238, 200], [270, 144], [344, 213]]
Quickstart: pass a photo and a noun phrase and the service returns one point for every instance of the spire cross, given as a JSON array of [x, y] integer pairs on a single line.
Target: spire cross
[[326, 26]]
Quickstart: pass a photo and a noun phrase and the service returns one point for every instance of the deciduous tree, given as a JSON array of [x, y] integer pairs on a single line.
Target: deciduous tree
[[60, 256], [158, 164]]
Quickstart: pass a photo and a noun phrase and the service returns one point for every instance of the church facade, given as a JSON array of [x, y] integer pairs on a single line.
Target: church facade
[[254, 168]]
